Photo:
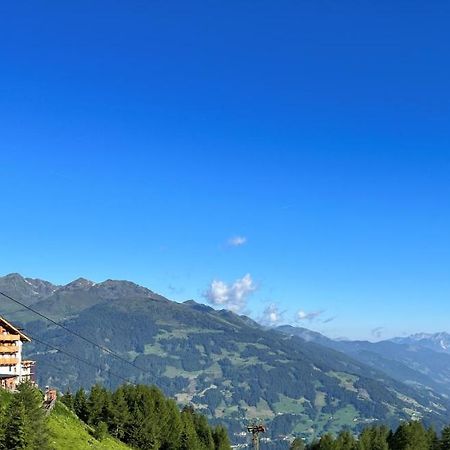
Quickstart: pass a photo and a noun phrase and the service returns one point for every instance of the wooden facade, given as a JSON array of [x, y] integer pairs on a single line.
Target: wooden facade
[[13, 369]]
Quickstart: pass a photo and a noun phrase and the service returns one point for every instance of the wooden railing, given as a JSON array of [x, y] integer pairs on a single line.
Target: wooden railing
[[8, 361], [28, 363], [9, 337], [8, 349]]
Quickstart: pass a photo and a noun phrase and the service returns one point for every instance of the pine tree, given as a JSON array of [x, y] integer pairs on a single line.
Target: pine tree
[[365, 440], [98, 405], [314, 445], [326, 442], [345, 441], [203, 431], [101, 431], [410, 436], [188, 437], [220, 437], [68, 399], [15, 437], [171, 426], [297, 444], [36, 431], [80, 405], [433, 441], [373, 438], [445, 439], [120, 416], [144, 430]]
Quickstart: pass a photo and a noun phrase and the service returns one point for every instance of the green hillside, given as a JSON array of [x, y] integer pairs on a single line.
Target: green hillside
[[67, 431], [232, 370], [229, 367], [421, 363], [139, 416], [62, 429]]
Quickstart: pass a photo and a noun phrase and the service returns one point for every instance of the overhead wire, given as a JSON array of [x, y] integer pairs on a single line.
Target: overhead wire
[[80, 336], [71, 355]]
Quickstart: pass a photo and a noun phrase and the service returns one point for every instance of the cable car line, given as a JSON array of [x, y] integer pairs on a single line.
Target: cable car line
[[71, 355], [80, 336]]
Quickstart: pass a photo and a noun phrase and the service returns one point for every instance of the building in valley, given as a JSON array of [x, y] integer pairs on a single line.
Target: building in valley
[[13, 369]]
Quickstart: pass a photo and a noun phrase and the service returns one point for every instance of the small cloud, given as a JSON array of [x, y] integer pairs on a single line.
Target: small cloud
[[237, 241], [377, 332], [230, 296], [310, 316], [271, 315], [330, 319]]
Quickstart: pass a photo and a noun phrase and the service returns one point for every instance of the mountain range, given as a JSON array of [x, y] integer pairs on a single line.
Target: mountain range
[[228, 366], [422, 360]]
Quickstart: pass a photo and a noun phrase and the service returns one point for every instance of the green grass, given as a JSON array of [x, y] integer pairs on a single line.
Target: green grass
[[335, 422], [155, 349], [320, 400], [289, 405], [344, 416], [261, 411], [347, 381], [68, 432], [172, 372], [183, 332]]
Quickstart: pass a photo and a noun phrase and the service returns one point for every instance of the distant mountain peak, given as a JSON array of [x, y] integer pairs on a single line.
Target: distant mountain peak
[[191, 302], [112, 289], [13, 276], [115, 283], [198, 306], [435, 341], [438, 335], [79, 283], [426, 336]]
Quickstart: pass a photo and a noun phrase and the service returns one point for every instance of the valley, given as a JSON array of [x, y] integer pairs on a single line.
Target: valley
[[227, 366]]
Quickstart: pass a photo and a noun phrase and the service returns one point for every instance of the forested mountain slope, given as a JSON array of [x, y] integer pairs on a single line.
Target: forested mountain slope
[[228, 366], [421, 361]]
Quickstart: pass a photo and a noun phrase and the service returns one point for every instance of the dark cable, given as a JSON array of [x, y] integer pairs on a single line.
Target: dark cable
[[101, 347], [79, 359]]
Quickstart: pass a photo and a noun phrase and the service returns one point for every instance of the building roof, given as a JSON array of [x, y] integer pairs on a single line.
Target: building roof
[[9, 326]]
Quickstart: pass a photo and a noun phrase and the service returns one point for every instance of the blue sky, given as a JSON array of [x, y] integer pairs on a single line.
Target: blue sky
[[137, 139]]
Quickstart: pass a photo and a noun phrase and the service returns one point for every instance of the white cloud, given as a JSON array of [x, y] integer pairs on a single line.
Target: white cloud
[[271, 315], [230, 296], [237, 241], [302, 315]]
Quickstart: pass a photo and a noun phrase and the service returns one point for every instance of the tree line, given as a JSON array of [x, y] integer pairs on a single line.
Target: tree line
[[140, 416], [23, 423], [143, 418], [408, 436]]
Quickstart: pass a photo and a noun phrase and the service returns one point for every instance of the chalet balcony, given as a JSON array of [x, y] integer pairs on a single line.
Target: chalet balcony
[[8, 361], [8, 349], [28, 364], [9, 337]]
